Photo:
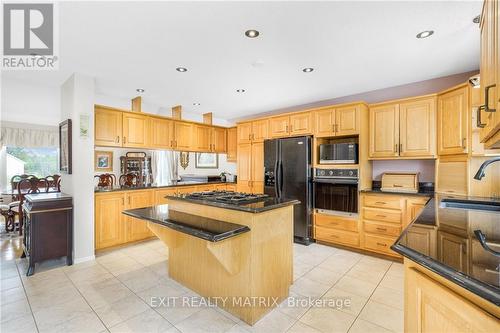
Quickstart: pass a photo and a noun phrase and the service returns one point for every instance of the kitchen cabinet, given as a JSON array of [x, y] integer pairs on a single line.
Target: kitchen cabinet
[[109, 225], [279, 126], [432, 307], [490, 73], [291, 125], [405, 129], [453, 250], [250, 168], [324, 123], [244, 132], [417, 128], [232, 144], [202, 138], [340, 121], [413, 208], [162, 133], [452, 175], [137, 229], [135, 130], [107, 127], [160, 194], [218, 139], [422, 238], [183, 136], [384, 131], [253, 131], [453, 121]]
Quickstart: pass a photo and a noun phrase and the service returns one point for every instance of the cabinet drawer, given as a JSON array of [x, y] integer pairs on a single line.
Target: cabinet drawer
[[382, 229], [380, 244], [336, 236], [337, 222], [382, 215], [383, 201]]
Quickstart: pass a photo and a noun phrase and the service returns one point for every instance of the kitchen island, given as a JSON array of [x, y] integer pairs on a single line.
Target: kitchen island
[[239, 254]]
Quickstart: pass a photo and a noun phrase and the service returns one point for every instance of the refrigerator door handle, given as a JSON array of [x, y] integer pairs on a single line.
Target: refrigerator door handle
[[280, 185], [276, 178]]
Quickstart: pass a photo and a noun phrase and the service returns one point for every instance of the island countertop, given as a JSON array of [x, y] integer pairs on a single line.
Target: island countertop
[[469, 265], [262, 205], [197, 226]]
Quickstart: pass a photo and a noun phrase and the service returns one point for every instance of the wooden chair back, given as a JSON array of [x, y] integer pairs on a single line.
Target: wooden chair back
[[54, 182], [129, 180], [105, 180]]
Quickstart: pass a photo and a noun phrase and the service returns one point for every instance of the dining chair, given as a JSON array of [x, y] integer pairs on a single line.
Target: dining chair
[[129, 180], [30, 185], [106, 180]]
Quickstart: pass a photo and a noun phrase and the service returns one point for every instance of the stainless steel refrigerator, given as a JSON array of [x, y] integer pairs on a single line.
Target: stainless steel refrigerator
[[287, 174]]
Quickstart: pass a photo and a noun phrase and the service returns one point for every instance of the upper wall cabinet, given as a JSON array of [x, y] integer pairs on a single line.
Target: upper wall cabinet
[[135, 130], [340, 121], [183, 134], [405, 129], [291, 125], [232, 138], [490, 73], [253, 131], [201, 138], [417, 128], [453, 122], [108, 127], [218, 140], [384, 131], [162, 133]]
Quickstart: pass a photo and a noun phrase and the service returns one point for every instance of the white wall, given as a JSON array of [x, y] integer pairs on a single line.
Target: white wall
[[77, 97], [26, 102], [224, 166], [426, 168]]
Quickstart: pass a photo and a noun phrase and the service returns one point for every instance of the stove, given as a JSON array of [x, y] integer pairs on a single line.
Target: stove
[[227, 197]]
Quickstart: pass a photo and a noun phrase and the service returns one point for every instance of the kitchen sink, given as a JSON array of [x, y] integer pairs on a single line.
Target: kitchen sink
[[491, 206]]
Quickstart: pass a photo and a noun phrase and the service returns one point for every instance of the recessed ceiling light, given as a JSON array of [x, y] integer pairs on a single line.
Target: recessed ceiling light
[[181, 69], [252, 33], [477, 19], [308, 70], [196, 104], [425, 34], [140, 90], [240, 90]]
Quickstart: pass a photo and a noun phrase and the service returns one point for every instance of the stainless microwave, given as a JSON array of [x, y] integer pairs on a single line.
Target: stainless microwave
[[338, 153]]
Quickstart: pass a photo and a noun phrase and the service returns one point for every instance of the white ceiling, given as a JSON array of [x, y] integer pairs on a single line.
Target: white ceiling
[[353, 46]]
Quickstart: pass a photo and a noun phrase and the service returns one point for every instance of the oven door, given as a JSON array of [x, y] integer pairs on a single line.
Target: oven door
[[336, 195]]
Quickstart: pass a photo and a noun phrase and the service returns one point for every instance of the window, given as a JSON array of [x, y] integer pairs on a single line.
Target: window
[[40, 162]]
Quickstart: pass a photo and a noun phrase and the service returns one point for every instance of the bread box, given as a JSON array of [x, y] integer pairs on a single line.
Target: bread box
[[406, 182]]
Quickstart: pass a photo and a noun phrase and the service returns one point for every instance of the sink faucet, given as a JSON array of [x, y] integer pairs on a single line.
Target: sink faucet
[[480, 172]]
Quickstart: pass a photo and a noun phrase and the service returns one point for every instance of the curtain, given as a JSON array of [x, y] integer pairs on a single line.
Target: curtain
[[164, 165], [28, 136]]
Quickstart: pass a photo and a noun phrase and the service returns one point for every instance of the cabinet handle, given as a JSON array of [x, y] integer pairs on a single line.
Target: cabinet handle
[[336, 127], [333, 127], [464, 142], [380, 215], [381, 244], [117, 139], [396, 148], [286, 128], [253, 136], [381, 203], [479, 124], [381, 229], [291, 128], [124, 139], [487, 98], [400, 147], [123, 202]]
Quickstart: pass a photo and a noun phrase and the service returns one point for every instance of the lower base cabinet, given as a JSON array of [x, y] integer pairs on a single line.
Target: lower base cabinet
[[431, 306]]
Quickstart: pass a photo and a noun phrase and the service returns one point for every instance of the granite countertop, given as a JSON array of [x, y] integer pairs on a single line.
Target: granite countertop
[[260, 206], [197, 226], [171, 184], [50, 196], [470, 265]]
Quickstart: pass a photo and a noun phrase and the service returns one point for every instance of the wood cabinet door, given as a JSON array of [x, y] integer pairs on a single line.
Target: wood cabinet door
[[160, 194], [280, 126], [384, 131], [109, 223], [453, 122], [244, 131], [257, 181], [347, 120], [135, 130], [452, 176], [244, 166], [417, 128], [421, 239], [137, 229], [232, 144], [324, 122], [107, 128], [260, 130], [453, 251], [432, 307], [202, 138], [219, 140], [183, 135], [489, 67], [162, 133], [301, 123]]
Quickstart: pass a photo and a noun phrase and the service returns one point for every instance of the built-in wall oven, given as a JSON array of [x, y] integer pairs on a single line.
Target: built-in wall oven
[[336, 191]]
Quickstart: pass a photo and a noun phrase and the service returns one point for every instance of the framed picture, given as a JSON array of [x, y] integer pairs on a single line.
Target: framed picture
[[206, 161], [103, 161], [65, 146]]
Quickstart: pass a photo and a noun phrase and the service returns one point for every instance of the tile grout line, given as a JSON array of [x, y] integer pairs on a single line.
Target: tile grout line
[[26, 294]]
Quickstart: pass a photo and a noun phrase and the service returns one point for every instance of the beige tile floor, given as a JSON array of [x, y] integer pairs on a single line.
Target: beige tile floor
[[118, 292]]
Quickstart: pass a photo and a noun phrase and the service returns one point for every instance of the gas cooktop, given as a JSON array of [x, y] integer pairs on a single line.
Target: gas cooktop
[[227, 197]]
